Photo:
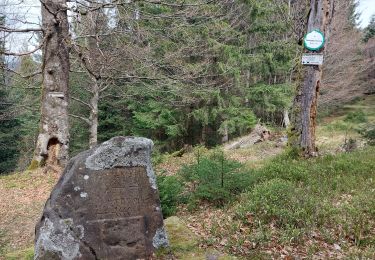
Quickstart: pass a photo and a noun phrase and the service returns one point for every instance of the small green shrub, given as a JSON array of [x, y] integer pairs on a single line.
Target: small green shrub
[[356, 117], [170, 189], [214, 179]]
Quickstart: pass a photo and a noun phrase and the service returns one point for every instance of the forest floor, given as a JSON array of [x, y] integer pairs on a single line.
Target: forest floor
[[332, 214]]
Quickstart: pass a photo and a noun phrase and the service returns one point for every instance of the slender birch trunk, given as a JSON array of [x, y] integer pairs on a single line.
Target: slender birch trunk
[[93, 118]]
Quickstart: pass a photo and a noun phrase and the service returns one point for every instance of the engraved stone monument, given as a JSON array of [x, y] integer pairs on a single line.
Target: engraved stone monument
[[105, 206]]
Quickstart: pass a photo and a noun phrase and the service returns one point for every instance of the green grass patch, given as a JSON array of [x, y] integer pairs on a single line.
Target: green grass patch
[[357, 116], [24, 254], [299, 196], [288, 199], [3, 242], [184, 244]]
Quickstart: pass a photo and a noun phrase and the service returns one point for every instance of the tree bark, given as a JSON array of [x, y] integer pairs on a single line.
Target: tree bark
[[53, 140], [305, 103], [286, 120], [225, 137], [93, 139]]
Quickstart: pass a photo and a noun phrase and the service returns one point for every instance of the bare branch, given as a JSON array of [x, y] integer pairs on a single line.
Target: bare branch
[[24, 76], [80, 117], [22, 53], [6, 29], [82, 102], [182, 4]]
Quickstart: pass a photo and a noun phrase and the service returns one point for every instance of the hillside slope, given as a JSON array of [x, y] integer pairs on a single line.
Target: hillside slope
[[348, 69], [328, 210]]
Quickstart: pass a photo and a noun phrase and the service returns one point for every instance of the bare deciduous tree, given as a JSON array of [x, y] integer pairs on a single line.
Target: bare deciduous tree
[[53, 140]]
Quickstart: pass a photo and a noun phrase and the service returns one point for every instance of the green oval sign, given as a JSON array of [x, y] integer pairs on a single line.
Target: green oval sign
[[314, 40]]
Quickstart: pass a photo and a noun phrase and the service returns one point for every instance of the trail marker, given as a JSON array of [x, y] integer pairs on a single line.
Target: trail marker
[[312, 59], [314, 40]]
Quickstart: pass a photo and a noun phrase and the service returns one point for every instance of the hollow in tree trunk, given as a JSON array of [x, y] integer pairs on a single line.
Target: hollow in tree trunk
[[53, 140]]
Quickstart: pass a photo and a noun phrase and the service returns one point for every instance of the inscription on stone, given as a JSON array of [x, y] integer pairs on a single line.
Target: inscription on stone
[[116, 193], [105, 206]]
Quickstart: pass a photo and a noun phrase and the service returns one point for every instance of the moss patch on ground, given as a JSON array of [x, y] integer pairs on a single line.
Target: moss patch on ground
[[184, 244], [25, 254]]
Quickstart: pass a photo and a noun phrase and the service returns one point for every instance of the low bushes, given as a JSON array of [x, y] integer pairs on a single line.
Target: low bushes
[[213, 179], [278, 201], [170, 188]]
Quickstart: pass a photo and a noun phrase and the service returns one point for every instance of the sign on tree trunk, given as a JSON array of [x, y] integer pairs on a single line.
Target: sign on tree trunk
[[302, 134], [53, 139]]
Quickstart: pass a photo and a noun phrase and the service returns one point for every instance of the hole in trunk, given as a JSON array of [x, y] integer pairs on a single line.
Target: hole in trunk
[[53, 149]]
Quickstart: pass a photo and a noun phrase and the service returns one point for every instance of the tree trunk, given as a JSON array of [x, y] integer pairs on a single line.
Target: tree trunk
[[225, 137], [304, 112], [93, 119], [94, 58], [53, 139], [286, 120], [204, 135]]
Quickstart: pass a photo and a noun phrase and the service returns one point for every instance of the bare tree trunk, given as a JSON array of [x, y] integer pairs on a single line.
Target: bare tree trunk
[[305, 103], [93, 119], [286, 120], [94, 66], [225, 137], [53, 139]]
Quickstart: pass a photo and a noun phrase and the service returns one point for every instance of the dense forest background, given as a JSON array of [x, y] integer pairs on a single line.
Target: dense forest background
[[182, 75]]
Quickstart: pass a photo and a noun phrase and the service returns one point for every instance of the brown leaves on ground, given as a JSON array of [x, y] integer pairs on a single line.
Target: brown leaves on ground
[[22, 199], [222, 230]]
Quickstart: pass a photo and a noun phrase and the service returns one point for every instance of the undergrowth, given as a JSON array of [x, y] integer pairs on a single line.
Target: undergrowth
[[332, 195], [213, 178], [286, 200]]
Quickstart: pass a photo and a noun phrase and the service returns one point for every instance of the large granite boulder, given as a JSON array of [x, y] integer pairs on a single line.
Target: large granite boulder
[[105, 206]]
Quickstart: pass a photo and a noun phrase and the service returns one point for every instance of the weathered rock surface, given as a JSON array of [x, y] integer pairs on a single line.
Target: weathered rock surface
[[105, 206]]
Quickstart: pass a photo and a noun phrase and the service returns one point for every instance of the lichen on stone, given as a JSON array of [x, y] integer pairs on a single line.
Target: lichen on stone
[[160, 239], [123, 152], [59, 241]]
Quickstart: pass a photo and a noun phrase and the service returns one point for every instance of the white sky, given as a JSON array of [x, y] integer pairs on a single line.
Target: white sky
[[366, 8], [29, 10], [21, 14]]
